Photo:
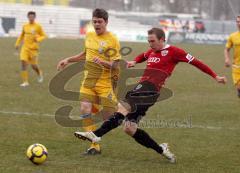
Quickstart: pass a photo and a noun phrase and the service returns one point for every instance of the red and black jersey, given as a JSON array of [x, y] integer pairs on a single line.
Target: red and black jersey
[[160, 64]]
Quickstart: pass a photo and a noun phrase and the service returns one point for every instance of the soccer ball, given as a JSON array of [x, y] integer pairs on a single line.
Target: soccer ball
[[37, 153]]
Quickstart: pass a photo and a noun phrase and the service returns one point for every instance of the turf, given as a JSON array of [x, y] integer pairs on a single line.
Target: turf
[[206, 138]]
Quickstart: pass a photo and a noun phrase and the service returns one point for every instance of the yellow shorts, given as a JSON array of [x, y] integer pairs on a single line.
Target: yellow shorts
[[30, 56], [102, 96], [236, 76]]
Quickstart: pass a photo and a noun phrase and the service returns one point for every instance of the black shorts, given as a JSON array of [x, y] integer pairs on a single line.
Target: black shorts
[[143, 96]]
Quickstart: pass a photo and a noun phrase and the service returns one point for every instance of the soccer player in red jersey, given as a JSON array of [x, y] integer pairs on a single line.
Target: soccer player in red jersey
[[161, 61]]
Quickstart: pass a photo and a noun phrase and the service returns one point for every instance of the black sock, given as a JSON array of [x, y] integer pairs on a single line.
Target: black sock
[[144, 139], [110, 124]]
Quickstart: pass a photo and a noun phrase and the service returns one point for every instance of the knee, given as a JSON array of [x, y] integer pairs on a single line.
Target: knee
[[24, 65], [124, 108], [129, 128], [34, 67], [85, 108]]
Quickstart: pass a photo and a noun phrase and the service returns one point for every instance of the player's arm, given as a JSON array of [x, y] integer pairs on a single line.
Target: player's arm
[[19, 39], [107, 64], [139, 59], [227, 57], [41, 35], [76, 58], [182, 56], [114, 58], [206, 69], [227, 49]]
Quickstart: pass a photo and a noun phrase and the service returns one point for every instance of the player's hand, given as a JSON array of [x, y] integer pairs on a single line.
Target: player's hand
[[16, 47], [36, 38], [227, 63], [221, 79], [97, 60], [62, 64], [131, 64]]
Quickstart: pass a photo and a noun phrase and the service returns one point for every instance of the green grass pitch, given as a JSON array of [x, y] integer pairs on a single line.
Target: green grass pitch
[[211, 145]]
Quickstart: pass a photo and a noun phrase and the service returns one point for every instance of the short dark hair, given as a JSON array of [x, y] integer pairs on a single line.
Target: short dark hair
[[100, 13], [158, 32], [31, 13]]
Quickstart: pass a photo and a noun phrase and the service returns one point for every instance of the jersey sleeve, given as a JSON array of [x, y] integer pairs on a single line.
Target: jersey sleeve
[[203, 67], [20, 38], [41, 34], [116, 48], [182, 56], [143, 56], [229, 43], [85, 43]]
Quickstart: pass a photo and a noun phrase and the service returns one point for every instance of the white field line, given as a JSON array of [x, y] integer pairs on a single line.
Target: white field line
[[51, 115], [25, 113]]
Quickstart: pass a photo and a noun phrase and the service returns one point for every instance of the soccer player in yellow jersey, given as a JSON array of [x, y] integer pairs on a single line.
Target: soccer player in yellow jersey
[[32, 34], [234, 42], [101, 55]]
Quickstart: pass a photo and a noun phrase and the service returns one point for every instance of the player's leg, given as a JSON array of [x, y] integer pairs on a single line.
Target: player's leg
[[237, 82], [24, 74], [130, 127], [107, 100], [112, 119], [113, 122], [124, 108], [24, 58], [236, 79], [88, 108], [238, 89], [35, 66], [94, 147], [142, 95]]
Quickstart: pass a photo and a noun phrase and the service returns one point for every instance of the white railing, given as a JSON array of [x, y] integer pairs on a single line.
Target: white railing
[[65, 21]]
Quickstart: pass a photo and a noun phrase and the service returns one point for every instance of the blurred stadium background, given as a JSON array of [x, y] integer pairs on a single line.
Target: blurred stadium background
[[129, 19], [201, 27]]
